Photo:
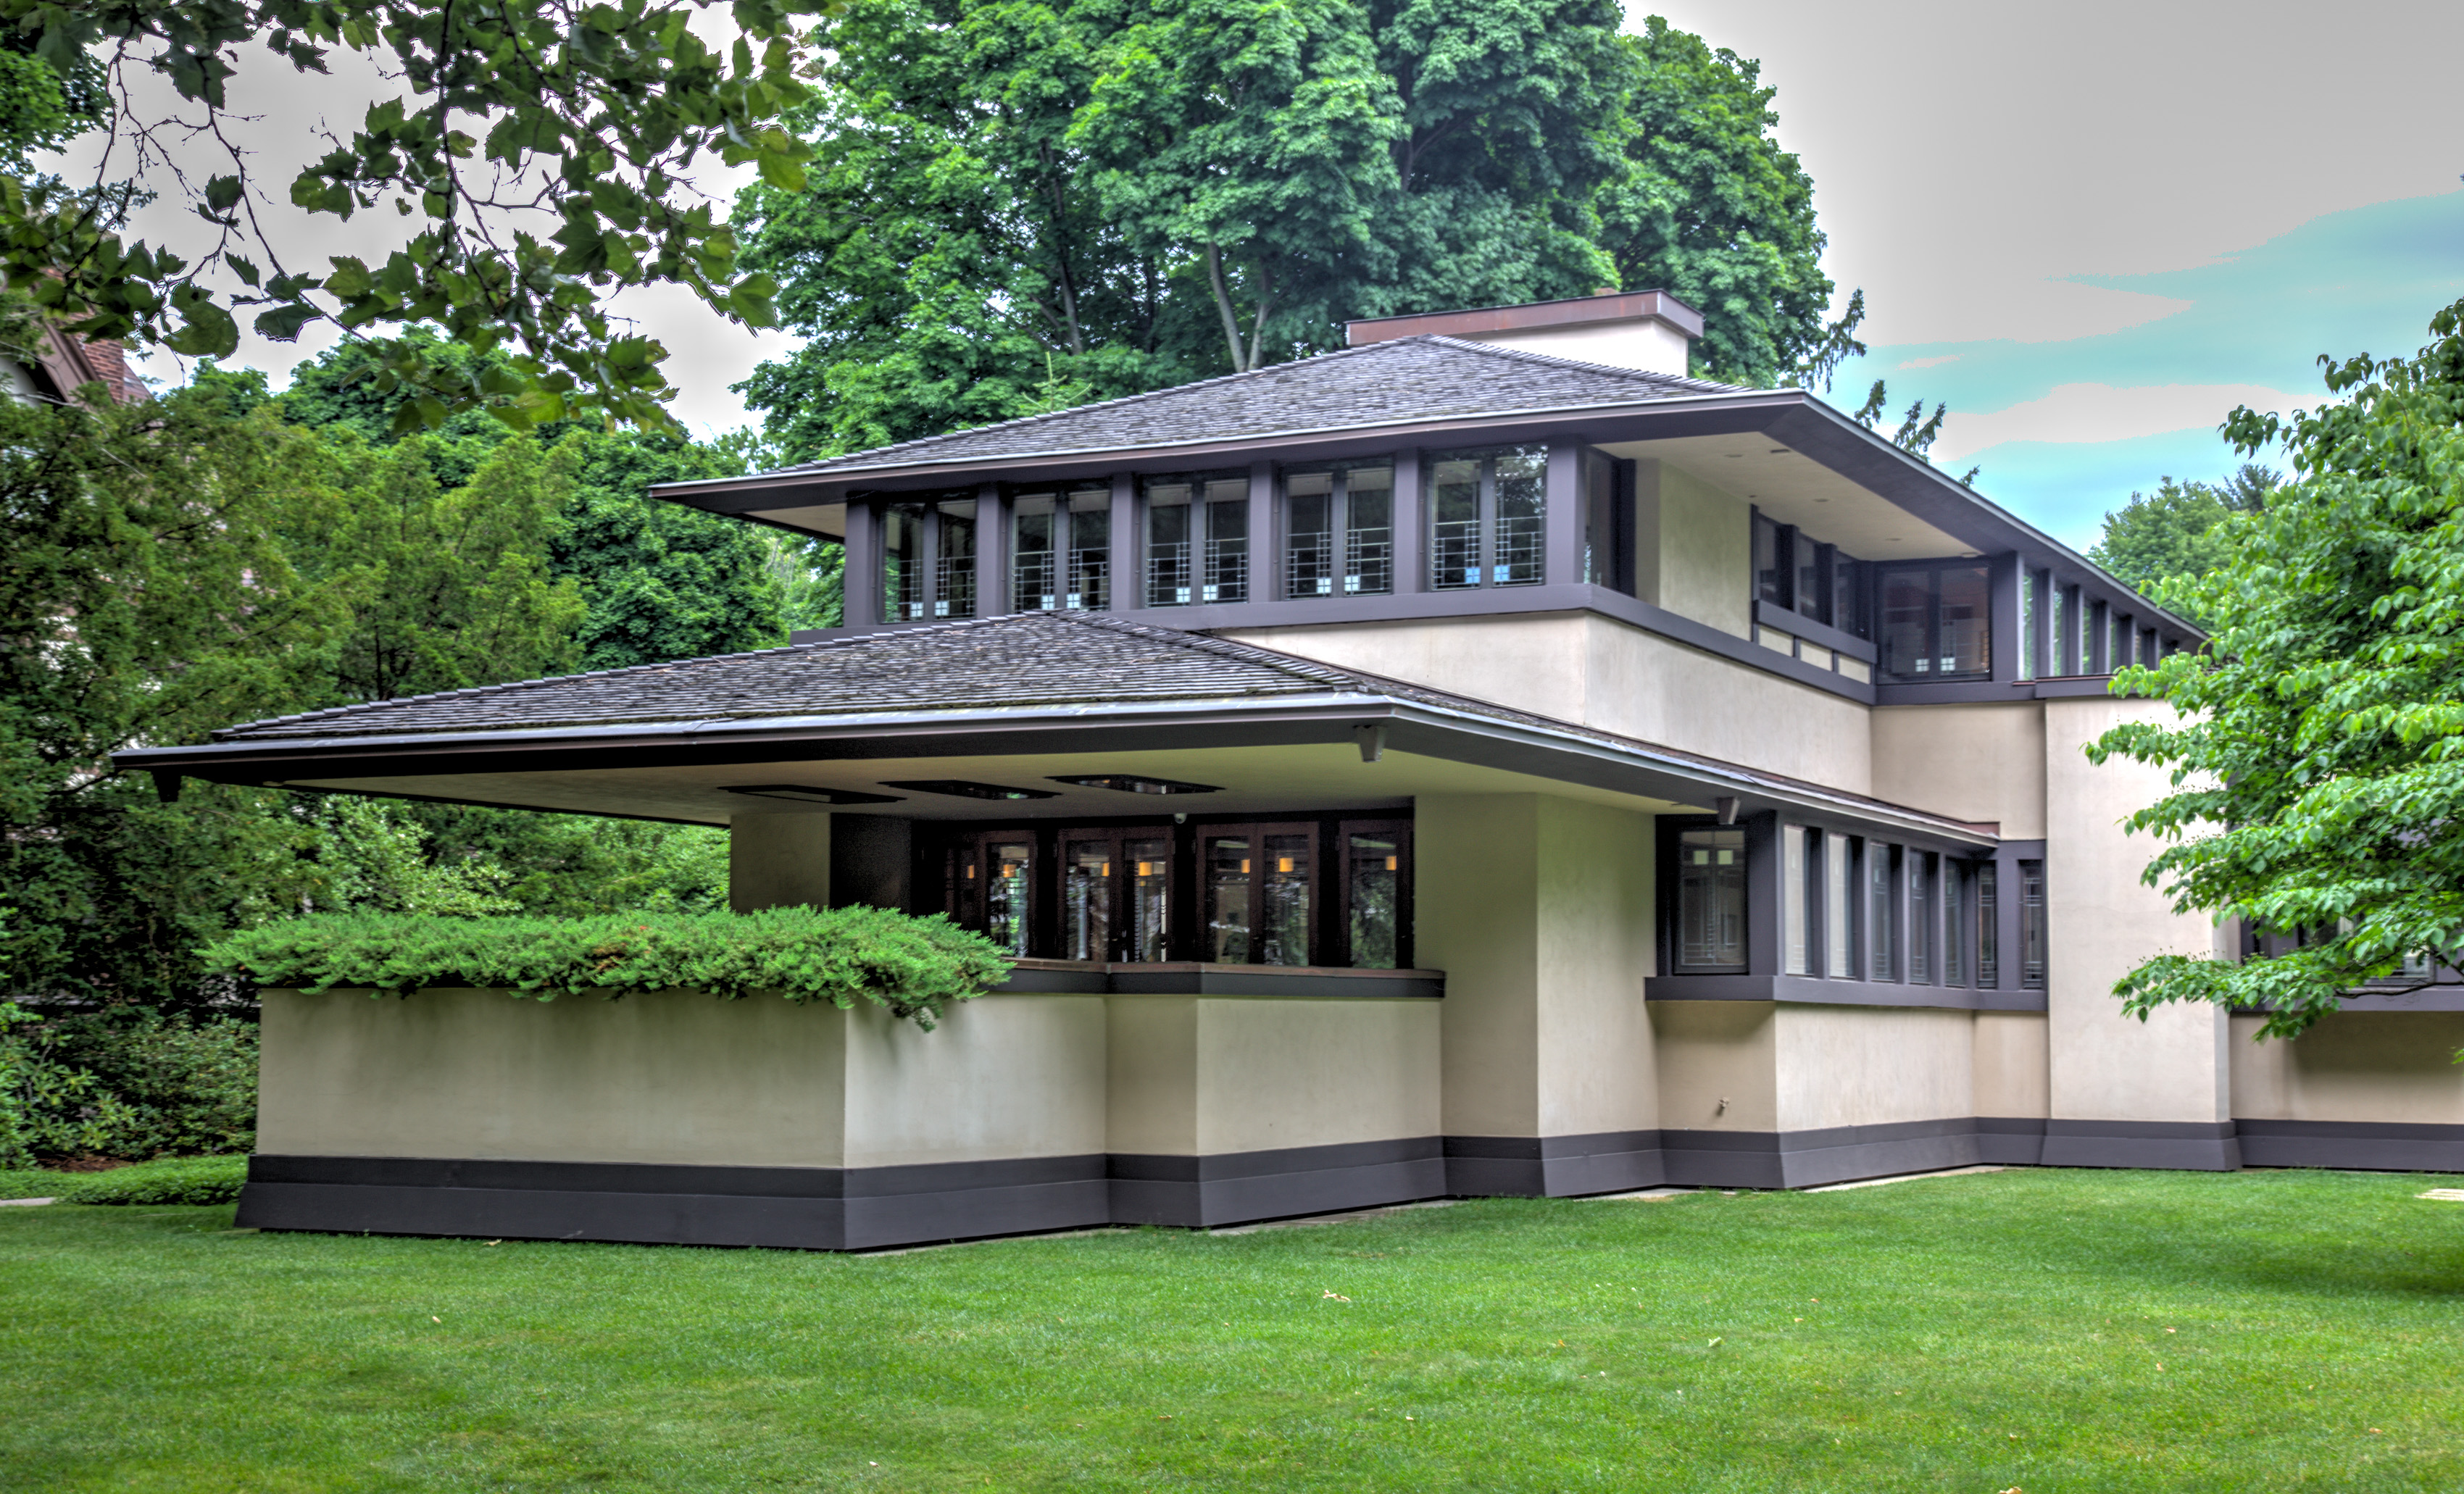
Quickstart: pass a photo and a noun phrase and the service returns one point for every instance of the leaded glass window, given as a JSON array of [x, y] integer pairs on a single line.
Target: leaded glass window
[[1487, 517]]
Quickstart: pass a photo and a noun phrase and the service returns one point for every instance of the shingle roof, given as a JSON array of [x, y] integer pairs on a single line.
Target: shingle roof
[[1405, 380], [1024, 660]]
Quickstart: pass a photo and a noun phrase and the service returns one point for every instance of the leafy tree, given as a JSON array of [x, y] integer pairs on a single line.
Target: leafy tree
[[1020, 207], [1916, 430], [2179, 529], [2318, 754], [543, 150]]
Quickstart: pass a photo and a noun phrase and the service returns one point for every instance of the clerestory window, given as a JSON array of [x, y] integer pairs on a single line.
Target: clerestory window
[[1197, 540], [1340, 530], [1062, 551], [1487, 517]]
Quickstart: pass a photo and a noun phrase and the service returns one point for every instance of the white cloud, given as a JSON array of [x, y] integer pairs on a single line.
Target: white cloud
[[2089, 412]]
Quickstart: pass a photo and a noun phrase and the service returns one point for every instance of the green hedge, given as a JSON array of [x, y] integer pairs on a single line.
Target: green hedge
[[915, 967], [172, 1179]]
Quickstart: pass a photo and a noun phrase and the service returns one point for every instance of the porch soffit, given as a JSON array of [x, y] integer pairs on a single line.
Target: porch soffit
[[996, 697]]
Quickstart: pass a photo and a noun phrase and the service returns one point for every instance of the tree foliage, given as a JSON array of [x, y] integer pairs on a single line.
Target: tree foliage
[[539, 155], [1019, 207], [2178, 530], [2318, 755]]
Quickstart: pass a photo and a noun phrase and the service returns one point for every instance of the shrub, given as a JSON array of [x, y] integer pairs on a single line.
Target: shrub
[[130, 1082], [32, 1182], [175, 1180], [913, 966]]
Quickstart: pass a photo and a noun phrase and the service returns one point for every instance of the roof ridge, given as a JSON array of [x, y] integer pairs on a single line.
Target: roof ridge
[[1081, 409]]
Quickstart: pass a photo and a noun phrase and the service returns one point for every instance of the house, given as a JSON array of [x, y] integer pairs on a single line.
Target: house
[[1481, 760]]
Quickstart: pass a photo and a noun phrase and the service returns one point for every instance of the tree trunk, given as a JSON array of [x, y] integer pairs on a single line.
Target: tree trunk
[[1223, 305]]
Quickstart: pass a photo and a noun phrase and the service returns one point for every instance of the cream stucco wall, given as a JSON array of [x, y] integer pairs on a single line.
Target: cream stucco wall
[[1973, 762], [672, 1077], [1706, 553], [1871, 1065], [1195, 1076], [1539, 909], [1718, 1065], [2384, 1067], [1002, 1076], [2104, 921], [1613, 676], [2010, 1061]]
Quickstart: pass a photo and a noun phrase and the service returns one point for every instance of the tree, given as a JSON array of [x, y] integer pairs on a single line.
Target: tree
[[2178, 530], [1021, 208], [2318, 751], [541, 151], [1917, 431]]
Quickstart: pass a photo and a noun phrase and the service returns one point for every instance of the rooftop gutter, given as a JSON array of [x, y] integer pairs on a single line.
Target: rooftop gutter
[[1421, 728]]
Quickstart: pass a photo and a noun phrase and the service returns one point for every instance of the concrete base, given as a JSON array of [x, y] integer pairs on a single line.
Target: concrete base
[[2185, 1146]]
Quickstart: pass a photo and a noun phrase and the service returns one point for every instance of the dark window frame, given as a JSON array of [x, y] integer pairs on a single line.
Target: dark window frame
[[1487, 564], [1339, 873], [1882, 571], [939, 584], [1205, 567], [1673, 830], [1342, 536]]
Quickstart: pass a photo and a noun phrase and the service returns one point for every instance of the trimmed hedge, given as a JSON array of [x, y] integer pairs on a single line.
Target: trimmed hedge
[[33, 1182], [913, 966], [172, 1179]]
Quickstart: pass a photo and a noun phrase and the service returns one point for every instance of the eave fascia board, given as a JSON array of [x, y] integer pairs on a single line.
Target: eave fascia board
[[1414, 727]]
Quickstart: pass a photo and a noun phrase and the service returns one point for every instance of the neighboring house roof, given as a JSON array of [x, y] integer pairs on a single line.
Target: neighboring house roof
[[65, 364], [1050, 662], [1408, 379]]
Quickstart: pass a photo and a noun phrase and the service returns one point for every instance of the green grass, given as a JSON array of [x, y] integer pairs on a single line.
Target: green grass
[[2042, 1330]]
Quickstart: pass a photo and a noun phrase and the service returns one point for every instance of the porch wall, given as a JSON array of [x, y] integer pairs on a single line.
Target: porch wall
[[2363, 1089]]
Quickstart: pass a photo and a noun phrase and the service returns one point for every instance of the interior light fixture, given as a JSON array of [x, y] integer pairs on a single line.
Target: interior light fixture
[[968, 788], [1133, 784], [802, 794]]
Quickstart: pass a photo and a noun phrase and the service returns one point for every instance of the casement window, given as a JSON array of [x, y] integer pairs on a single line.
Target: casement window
[[1257, 881], [2031, 925], [1376, 893], [1794, 571], [1839, 917], [1060, 556], [928, 559], [1801, 894], [1197, 540], [1116, 894], [1882, 912], [1340, 530], [991, 880], [1956, 877], [1988, 930], [1919, 867], [1710, 901], [1608, 524], [1936, 622], [1487, 517]]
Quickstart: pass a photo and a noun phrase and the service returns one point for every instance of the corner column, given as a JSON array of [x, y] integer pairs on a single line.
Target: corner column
[[992, 552], [860, 589], [1128, 586], [1562, 528], [1265, 556], [1411, 524]]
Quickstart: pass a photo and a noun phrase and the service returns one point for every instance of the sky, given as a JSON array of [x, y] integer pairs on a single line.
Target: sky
[[2089, 231]]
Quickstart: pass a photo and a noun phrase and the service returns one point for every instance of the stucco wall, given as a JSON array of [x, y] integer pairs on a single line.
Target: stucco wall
[[2009, 1063], [1871, 1065], [2103, 922], [1718, 1065], [1476, 858], [1193, 1076], [1002, 1076], [1613, 676], [1596, 945], [1706, 553], [1974, 763], [2384, 1067], [672, 1077]]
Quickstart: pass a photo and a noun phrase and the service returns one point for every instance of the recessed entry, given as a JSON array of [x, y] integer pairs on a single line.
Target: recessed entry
[[1131, 784], [813, 796], [968, 788]]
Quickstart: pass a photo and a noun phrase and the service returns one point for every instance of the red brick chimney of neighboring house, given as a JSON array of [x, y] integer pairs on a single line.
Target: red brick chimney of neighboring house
[[68, 364]]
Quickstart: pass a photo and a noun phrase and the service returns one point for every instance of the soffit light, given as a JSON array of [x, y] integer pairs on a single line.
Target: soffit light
[[1131, 784], [802, 794], [968, 788]]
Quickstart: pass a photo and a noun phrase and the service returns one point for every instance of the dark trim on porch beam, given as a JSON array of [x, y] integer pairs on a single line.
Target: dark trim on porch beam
[[1816, 990]]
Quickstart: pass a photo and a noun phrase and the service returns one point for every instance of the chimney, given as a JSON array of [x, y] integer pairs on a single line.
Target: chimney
[[1650, 330]]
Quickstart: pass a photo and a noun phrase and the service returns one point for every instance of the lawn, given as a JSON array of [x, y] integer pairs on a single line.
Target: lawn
[[2039, 1331]]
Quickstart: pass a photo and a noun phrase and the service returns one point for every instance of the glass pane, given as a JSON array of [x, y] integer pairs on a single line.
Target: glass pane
[[1907, 613], [1878, 922], [1837, 915], [902, 560], [1149, 902], [1454, 524], [1813, 569], [1522, 510], [1309, 538], [1967, 630], [1600, 520], [1033, 568], [953, 579], [1284, 925], [1090, 554], [1372, 871], [1227, 901], [1792, 891], [1368, 531], [1168, 551], [1711, 899], [1769, 585], [1989, 931], [1005, 894], [1919, 918], [2031, 925], [1226, 578], [1847, 610], [1955, 936], [1087, 900]]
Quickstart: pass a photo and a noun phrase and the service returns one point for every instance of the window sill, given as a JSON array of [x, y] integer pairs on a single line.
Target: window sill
[[1813, 991], [1189, 978]]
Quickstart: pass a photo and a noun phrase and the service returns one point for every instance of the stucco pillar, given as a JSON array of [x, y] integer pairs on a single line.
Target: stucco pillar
[[2122, 1093], [778, 861], [1539, 910]]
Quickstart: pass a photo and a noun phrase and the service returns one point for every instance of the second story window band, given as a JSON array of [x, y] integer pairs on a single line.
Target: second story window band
[[1198, 540], [1060, 555], [928, 559], [1339, 531]]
